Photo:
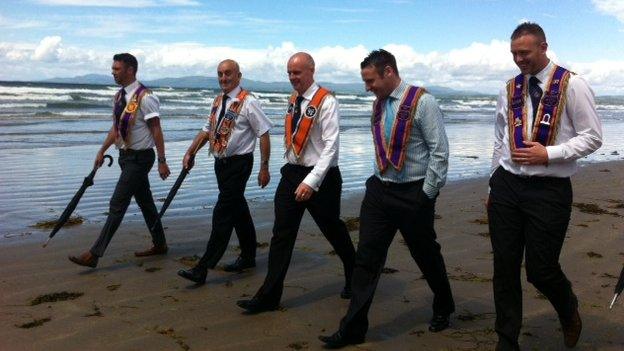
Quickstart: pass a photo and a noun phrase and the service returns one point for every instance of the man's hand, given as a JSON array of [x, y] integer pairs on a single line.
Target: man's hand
[[188, 161], [163, 170], [303, 192], [263, 176], [534, 154]]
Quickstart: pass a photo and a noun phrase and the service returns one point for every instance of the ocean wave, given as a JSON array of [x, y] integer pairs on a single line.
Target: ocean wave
[[20, 91], [22, 105], [77, 105]]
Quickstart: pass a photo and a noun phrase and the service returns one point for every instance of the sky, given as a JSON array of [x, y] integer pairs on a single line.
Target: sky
[[460, 44]]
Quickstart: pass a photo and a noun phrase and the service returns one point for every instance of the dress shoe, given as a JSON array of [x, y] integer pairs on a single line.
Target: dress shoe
[[254, 306], [571, 329], [338, 340], [346, 293], [240, 265], [439, 322], [194, 274], [154, 250], [86, 259]]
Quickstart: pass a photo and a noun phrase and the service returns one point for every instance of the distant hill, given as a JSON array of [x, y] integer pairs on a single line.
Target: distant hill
[[212, 83]]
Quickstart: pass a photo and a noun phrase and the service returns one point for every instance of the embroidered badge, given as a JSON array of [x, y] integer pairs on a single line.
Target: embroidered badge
[[310, 111]]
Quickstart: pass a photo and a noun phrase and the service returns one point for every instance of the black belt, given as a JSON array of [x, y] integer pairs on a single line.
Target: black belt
[[395, 185], [535, 178], [133, 152], [233, 158]]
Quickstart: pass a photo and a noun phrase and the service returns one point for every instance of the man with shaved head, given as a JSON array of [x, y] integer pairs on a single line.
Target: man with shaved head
[[310, 180], [235, 122]]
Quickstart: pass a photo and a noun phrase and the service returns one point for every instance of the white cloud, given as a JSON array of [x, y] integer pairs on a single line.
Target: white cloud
[[611, 7], [479, 66], [11, 23], [48, 49], [119, 3]]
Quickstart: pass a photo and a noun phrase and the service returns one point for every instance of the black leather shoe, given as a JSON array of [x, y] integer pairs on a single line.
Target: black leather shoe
[[240, 265], [346, 293], [571, 329], [439, 322], [254, 306], [338, 340], [195, 274]]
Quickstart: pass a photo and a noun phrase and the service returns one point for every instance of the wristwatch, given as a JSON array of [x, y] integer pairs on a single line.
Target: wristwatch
[[162, 160]]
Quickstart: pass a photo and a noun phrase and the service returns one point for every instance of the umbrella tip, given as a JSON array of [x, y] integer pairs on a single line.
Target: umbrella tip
[[46, 243], [613, 301]]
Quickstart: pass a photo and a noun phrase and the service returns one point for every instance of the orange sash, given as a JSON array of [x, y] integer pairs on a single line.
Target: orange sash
[[298, 140], [220, 134]]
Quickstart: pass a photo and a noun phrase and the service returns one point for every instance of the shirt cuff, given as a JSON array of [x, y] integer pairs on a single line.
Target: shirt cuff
[[150, 115], [430, 191], [555, 152], [312, 181]]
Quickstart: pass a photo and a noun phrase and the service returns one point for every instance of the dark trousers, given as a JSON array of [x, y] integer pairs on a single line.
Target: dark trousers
[[324, 207], [530, 215], [387, 207], [231, 211], [133, 181]]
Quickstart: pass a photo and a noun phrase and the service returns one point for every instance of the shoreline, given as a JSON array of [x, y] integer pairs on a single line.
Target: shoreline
[[135, 304]]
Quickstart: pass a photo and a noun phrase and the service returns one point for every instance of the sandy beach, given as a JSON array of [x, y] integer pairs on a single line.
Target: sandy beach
[[138, 304]]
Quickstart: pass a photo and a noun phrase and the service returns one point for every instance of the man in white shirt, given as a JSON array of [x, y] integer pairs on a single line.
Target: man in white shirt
[[135, 132], [310, 180], [545, 120], [235, 122]]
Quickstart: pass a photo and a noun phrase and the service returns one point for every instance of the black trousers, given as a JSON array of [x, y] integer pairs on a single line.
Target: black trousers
[[528, 215], [387, 207], [133, 181], [324, 207], [231, 211]]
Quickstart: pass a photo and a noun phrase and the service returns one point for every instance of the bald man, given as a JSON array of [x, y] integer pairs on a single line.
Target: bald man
[[310, 180], [235, 122]]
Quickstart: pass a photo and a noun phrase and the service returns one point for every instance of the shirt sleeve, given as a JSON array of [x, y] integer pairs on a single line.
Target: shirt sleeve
[[150, 106], [430, 119], [259, 122], [581, 109], [500, 124], [328, 120]]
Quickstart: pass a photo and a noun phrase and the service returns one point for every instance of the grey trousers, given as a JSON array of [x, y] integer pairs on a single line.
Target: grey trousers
[[133, 181]]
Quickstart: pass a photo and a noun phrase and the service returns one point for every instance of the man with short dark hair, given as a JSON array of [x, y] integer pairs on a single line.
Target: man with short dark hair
[[235, 122], [410, 167], [545, 120], [310, 181], [135, 131]]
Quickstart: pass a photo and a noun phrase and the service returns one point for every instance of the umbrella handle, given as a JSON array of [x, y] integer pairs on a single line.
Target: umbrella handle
[[110, 159]]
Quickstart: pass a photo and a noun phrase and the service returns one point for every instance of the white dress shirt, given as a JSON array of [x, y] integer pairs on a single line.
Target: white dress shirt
[[250, 124], [321, 150], [579, 133], [140, 136]]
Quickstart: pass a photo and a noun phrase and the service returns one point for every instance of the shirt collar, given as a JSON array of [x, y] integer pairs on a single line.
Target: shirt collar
[[130, 88], [398, 92], [234, 93], [544, 73], [309, 94]]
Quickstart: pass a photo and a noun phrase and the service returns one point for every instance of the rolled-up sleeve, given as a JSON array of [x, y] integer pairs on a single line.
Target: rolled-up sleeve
[[258, 120], [150, 106]]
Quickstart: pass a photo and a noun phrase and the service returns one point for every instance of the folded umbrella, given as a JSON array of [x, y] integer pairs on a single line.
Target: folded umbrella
[[618, 288], [172, 194], [87, 182]]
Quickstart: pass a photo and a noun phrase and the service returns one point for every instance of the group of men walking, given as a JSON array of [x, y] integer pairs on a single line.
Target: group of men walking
[[545, 121]]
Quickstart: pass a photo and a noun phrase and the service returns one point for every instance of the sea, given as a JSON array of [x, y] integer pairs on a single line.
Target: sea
[[50, 133]]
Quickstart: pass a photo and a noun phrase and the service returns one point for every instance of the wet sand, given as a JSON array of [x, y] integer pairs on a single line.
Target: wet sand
[[136, 304]]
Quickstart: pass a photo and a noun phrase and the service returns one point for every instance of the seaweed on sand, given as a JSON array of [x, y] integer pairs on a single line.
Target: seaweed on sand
[[34, 323], [73, 220], [55, 297]]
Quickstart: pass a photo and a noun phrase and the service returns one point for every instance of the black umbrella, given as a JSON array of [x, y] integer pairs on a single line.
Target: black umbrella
[[618, 288], [172, 194], [87, 182]]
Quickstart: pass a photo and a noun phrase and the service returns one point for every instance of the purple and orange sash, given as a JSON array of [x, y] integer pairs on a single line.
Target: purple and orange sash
[[298, 140], [123, 124], [394, 152], [548, 114], [220, 134]]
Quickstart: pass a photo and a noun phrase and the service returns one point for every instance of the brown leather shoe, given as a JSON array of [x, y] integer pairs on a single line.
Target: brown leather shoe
[[571, 329], [86, 259], [154, 250]]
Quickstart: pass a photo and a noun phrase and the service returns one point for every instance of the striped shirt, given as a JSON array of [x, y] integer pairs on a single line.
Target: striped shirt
[[427, 147]]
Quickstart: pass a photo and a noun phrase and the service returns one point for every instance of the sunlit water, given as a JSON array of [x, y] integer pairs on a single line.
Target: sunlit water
[[49, 135]]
